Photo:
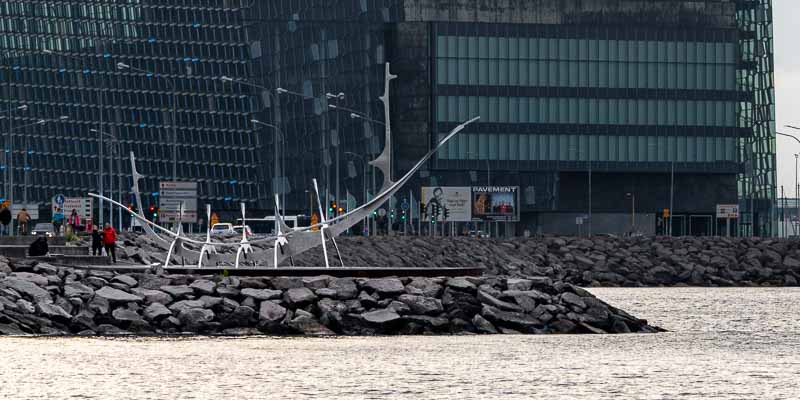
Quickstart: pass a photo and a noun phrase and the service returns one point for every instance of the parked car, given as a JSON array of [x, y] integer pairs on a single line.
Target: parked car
[[238, 229], [222, 229], [44, 229], [478, 234]]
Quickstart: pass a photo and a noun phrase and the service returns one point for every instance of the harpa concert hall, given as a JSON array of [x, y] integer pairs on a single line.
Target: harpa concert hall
[[622, 110]]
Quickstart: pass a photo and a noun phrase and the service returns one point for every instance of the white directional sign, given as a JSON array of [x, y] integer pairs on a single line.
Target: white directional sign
[[82, 205], [170, 197], [728, 211]]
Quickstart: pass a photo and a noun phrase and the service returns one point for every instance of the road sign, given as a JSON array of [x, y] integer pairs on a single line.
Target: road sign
[[579, 221], [82, 205], [665, 213], [382, 212], [728, 211], [404, 205], [171, 195]]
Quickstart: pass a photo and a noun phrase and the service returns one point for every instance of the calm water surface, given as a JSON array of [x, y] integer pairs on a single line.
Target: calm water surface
[[724, 344]]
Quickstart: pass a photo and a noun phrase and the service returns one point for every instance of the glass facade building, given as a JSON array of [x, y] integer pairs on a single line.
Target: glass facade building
[[621, 94], [60, 58]]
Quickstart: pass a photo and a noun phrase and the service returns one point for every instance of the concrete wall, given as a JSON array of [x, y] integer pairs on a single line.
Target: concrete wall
[[709, 13]]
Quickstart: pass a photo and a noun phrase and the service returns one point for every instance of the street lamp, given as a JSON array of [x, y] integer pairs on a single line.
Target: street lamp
[[26, 168], [114, 150], [281, 136], [278, 136], [173, 87], [339, 97], [364, 164], [796, 187]]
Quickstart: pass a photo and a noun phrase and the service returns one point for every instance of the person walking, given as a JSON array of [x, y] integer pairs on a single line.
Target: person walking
[[97, 242], [5, 219], [22, 219], [58, 220], [110, 241], [74, 221]]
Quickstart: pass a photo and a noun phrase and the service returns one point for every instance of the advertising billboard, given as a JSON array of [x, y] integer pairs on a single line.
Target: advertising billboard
[[495, 203], [442, 203]]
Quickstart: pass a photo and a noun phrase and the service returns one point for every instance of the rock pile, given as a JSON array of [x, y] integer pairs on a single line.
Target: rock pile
[[596, 261], [65, 301]]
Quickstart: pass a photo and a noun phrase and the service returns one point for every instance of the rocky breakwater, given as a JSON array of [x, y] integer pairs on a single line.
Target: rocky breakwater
[[64, 301], [596, 261]]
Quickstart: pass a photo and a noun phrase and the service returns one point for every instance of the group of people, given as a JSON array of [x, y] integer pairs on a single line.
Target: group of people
[[23, 220], [105, 239]]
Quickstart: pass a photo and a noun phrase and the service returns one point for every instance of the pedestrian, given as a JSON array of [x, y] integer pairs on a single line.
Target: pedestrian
[[5, 219], [58, 220], [74, 221], [110, 241], [97, 242], [22, 219]]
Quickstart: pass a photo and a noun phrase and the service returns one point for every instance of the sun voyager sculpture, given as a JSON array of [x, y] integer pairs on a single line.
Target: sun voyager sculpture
[[286, 242]]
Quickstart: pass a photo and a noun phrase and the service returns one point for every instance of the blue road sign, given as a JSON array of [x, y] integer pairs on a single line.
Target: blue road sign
[[60, 199]]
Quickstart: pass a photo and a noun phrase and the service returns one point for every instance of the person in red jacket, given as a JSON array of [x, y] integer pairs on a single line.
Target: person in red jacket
[[110, 241]]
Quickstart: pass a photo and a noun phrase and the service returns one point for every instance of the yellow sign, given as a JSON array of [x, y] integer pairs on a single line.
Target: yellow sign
[[666, 213], [214, 219], [5, 204]]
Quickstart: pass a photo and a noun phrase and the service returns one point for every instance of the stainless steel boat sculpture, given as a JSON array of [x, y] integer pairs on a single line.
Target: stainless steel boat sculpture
[[287, 242]]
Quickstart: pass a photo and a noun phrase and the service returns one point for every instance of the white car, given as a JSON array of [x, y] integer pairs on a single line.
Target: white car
[[222, 229], [238, 229], [44, 229]]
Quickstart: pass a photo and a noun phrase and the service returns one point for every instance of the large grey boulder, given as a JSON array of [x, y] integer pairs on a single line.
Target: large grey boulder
[[271, 312], [486, 298], [482, 325], [203, 286], [424, 287], [573, 300], [149, 281], [126, 280], [26, 288], [195, 319], [461, 284], [239, 317], [77, 289], [11, 330], [345, 288], [262, 294], [210, 301], [309, 326], [177, 291], [315, 282], [299, 296], [126, 315], [156, 312], [99, 305], [381, 317], [519, 284], [52, 311], [514, 320], [117, 296], [25, 306], [385, 286], [182, 305], [30, 277], [153, 296], [422, 304]]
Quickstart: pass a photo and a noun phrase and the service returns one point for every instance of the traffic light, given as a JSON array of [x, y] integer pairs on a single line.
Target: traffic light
[[153, 212], [446, 213], [332, 208], [341, 210]]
